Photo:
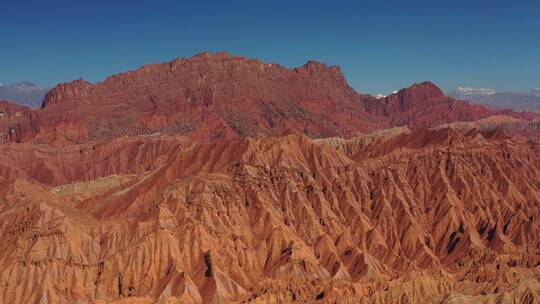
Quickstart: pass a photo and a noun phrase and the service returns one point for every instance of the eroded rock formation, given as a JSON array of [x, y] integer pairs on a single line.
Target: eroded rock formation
[[432, 215]]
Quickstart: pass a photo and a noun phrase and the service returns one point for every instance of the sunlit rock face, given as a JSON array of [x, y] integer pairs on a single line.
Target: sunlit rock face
[[422, 215]]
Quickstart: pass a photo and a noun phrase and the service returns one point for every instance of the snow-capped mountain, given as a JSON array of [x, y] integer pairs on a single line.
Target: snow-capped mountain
[[380, 95], [521, 101], [475, 91]]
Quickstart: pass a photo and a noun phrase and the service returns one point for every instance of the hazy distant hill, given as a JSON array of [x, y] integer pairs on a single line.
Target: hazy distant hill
[[522, 101], [24, 93]]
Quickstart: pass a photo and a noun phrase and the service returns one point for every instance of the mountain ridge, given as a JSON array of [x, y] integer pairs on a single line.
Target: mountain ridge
[[210, 96], [519, 101]]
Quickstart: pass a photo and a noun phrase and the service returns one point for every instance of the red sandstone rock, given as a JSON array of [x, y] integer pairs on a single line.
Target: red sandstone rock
[[220, 96]]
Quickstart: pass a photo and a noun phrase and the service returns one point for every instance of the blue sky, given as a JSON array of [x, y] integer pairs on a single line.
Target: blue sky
[[379, 46]]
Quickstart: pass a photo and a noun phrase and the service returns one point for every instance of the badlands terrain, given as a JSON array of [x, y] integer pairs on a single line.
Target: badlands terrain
[[223, 179]]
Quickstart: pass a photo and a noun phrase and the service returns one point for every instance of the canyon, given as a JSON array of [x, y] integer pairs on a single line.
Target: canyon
[[224, 179]]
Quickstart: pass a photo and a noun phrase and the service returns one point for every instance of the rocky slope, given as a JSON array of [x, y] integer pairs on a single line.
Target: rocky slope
[[221, 96], [429, 216]]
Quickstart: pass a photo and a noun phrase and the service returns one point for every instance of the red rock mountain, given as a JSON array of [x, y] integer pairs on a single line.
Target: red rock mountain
[[220, 96], [220, 179]]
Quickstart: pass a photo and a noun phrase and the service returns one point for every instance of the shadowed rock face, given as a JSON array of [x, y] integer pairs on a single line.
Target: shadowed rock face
[[424, 216], [220, 96]]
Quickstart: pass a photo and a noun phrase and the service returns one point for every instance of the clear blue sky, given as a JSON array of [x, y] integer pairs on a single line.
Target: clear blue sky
[[380, 45]]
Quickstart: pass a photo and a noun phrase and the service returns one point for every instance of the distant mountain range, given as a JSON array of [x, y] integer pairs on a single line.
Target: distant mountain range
[[24, 93], [521, 101]]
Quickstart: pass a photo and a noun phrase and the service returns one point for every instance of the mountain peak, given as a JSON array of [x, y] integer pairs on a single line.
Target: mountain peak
[[427, 87], [66, 91], [419, 92], [315, 65], [475, 91], [206, 55], [319, 66]]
